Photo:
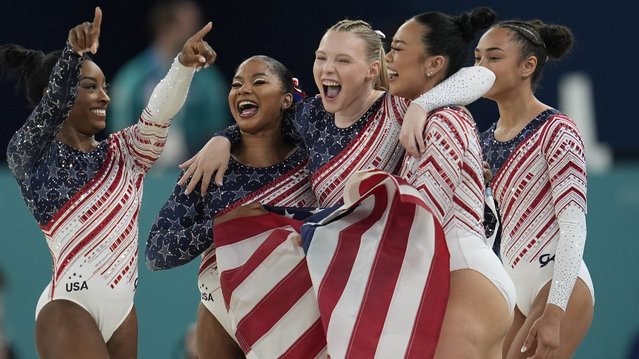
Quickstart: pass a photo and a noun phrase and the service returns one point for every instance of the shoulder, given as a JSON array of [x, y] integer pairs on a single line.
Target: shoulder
[[453, 122], [310, 107], [312, 101], [452, 116], [560, 125]]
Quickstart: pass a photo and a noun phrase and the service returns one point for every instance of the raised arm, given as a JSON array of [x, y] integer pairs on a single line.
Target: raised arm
[[462, 88], [29, 142], [148, 137]]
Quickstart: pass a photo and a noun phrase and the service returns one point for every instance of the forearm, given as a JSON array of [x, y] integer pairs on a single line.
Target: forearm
[[171, 247], [169, 95], [568, 255], [148, 137], [461, 88], [231, 133], [439, 169], [182, 230]]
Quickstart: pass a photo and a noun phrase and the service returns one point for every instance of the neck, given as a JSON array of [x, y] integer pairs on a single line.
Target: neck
[[356, 109], [263, 149], [77, 140], [518, 107]]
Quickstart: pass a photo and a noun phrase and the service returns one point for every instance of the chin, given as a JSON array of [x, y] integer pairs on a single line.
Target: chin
[[331, 107], [394, 89]]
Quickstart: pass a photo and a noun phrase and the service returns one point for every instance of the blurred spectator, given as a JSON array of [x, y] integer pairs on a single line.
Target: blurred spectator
[[205, 112], [6, 351]]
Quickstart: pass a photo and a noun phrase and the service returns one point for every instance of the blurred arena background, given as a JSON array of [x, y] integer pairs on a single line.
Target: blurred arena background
[[596, 84]]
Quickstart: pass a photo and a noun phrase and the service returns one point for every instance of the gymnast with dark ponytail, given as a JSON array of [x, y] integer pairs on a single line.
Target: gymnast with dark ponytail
[[537, 157], [84, 194]]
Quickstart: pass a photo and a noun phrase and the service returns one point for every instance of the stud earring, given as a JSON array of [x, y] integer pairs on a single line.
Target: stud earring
[[429, 74]]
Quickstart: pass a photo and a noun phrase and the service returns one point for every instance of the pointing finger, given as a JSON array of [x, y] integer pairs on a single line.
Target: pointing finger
[[203, 31], [97, 19], [94, 32]]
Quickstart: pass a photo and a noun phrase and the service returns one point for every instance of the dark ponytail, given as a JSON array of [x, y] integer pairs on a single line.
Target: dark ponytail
[[451, 36], [545, 42], [30, 67]]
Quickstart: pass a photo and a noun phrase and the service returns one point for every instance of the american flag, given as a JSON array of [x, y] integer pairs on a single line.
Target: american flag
[[373, 282]]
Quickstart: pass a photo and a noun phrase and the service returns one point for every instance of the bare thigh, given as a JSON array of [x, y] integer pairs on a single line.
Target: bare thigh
[[124, 341], [64, 329], [213, 342], [574, 325], [477, 318], [518, 321]]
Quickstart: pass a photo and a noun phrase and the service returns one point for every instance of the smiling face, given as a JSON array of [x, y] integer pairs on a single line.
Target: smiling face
[[406, 61], [342, 70], [88, 115], [257, 97], [497, 52]]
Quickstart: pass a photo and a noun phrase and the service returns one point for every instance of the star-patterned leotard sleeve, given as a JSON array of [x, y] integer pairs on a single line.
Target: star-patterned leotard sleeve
[[29, 143], [184, 227]]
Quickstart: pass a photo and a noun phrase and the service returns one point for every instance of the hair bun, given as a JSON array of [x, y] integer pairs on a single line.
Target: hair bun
[[478, 19], [16, 58], [557, 38]]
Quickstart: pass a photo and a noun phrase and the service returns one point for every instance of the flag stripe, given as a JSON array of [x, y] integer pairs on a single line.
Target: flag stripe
[[373, 283], [234, 278], [433, 305], [279, 300], [382, 281], [334, 282]]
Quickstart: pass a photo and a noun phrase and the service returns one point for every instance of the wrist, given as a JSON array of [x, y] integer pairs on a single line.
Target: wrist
[[553, 312]]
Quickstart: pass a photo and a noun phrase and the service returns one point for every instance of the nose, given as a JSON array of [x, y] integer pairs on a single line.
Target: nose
[[388, 57], [245, 88], [104, 96], [328, 67]]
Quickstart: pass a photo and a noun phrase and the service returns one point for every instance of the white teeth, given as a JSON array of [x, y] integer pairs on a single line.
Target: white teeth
[[392, 73], [246, 103], [99, 111], [330, 83]]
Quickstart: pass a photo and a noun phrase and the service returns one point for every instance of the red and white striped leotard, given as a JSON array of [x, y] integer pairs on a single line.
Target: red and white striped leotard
[[540, 187], [449, 175], [93, 233]]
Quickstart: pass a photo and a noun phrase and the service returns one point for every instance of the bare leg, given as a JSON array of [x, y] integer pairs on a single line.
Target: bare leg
[[124, 341], [477, 318], [213, 342], [518, 321], [63, 329], [574, 325]]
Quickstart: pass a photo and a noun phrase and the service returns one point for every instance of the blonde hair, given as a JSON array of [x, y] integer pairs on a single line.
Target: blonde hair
[[374, 46]]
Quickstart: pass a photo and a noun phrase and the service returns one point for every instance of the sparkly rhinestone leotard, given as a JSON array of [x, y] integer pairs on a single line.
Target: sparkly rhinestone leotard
[[540, 186], [87, 203]]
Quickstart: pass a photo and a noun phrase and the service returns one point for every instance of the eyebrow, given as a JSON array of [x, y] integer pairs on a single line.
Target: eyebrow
[[257, 74], [398, 41], [336, 55], [89, 78], [491, 49]]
